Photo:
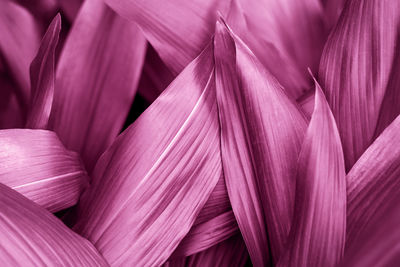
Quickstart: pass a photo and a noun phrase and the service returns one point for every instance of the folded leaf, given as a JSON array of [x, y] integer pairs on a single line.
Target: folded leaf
[[287, 36], [150, 185], [42, 78], [18, 44], [261, 134], [214, 224], [31, 236], [373, 182], [205, 235], [177, 29], [378, 245], [217, 204], [96, 80], [317, 236], [230, 253], [36, 164], [355, 69]]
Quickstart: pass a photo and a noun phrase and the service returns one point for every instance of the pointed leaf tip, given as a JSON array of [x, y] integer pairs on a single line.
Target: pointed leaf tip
[[250, 100], [42, 73], [320, 205], [151, 183]]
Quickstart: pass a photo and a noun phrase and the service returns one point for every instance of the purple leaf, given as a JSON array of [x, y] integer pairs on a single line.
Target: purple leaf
[[317, 236], [151, 184], [261, 134], [96, 80], [287, 36], [177, 29], [36, 164], [355, 69], [230, 253], [373, 182], [43, 78], [31, 236], [18, 44]]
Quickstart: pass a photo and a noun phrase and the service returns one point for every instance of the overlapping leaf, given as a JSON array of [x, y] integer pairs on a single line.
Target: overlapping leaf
[[378, 244], [287, 36], [230, 253], [150, 185], [261, 135], [96, 81], [36, 164], [43, 78], [31, 236], [214, 224], [373, 182], [317, 236], [177, 29], [355, 69]]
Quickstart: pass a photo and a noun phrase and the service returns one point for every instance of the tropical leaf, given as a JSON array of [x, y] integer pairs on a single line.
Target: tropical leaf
[[317, 236], [373, 182], [43, 78], [151, 184], [355, 69], [31, 236], [36, 164], [261, 134], [177, 29], [96, 80]]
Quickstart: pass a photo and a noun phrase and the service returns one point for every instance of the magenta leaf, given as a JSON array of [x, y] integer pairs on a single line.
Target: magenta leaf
[[18, 44], [373, 182], [378, 244], [287, 36], [259, 159], [151, 184], [96, 80], [355, 69], [177, 29], [31, 236], [317, 236], [230, 253], [37, 165], [43, 78]]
